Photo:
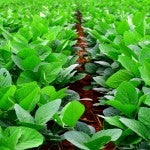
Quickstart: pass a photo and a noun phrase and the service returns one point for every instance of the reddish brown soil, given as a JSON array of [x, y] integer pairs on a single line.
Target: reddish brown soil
[[88, 97], [90, 115]]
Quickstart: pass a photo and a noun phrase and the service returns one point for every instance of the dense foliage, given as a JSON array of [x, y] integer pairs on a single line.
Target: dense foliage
[[38, 61]]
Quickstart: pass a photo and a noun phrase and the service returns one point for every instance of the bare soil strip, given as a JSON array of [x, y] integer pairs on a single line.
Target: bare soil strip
[[88, 97]]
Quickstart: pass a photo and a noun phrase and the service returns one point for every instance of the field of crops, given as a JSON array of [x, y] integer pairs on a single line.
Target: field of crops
[[75, 75]]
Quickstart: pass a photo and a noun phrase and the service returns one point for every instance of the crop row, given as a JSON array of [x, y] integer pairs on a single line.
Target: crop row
[[38, 62]]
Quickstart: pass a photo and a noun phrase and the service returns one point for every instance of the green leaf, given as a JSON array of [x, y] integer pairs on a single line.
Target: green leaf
[[30, 101], [16, 46], [23, 115], [26, 32], [72, 112], [30, 62], [138, 18], [114, 134], [97, 143], [83, 127], [66, 74], [28, 138], [136, 126], [146, 99], [46, 112], [51, 94], [126, 94], [77, 138], [5, 97], [131, 37], [127, 109], [143, 116], [26, 77], [4, 148], [56, 57], [122, 26], [5, 59], [26, 52], [144, 54], [91, 67], [17, 61], [5, 78], [72, 95], [100, 80], [24, 90], [145, 72], [129, 64], [109, 51], [48, 72], [5, 33], [40, 24], [117, 78], [114, 120], [128, 52]]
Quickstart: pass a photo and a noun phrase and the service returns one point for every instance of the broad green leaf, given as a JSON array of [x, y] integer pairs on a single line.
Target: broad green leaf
[[110, 111], [145, 72], [5, 78], [144, 116], [122, 26], [126, 94], [51, 94], [30, 62], [26, 52], [114, 134], [5, 59], [16, 46], [40, 24], [129, 64], [5, 97], [146, 100], [136, 81], [144, 54], [138, 18], [90, 67], [17, 61], [128, 52], [46, 112], [26, 77], [131, 37], [125, 137], [141, 29], [48, 72], [12, 140], [114, 120], [109, 51], [26, 33], [98, 143], [100, 80], [72, 112], [31, 100], [56, 57], [117, 78], [4, 148], [28, 138], [24, 90], [78, 139], [66, 74], [5, 33], [23, 115], [127, 109], [72, 95], [52, 33], [136, 126], [83, 127]]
